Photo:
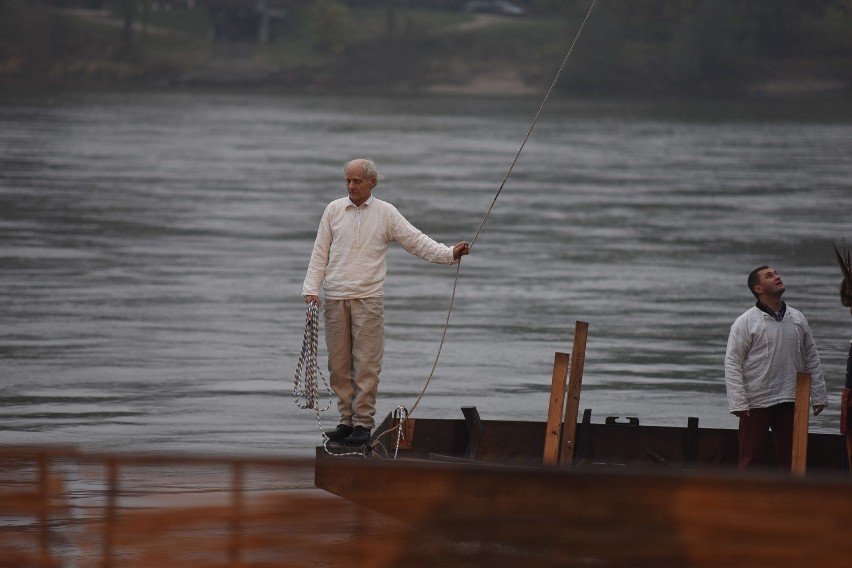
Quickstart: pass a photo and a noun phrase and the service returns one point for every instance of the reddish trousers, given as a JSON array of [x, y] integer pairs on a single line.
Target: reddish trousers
[[754, 432]]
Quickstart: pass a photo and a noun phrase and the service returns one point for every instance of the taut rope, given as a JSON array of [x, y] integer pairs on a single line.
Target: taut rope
[[402, 414], [490, 207], [534, 122]]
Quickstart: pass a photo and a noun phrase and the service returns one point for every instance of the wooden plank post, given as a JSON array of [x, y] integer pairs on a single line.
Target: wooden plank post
[[111, 513], [234, 543], [572, 400], [553, 436], [800, 423], [44, 509]]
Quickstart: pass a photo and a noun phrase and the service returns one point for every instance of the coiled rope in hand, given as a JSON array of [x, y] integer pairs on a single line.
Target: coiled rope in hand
[[306, 387]]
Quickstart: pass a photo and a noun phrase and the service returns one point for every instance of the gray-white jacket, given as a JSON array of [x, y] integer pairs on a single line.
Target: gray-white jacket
[[763, 357]]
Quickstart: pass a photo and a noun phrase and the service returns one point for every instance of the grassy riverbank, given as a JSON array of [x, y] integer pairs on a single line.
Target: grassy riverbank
[[427, 51]]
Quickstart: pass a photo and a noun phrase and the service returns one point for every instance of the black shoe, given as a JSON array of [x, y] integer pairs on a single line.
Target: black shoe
[[339, 434], [359, 435]]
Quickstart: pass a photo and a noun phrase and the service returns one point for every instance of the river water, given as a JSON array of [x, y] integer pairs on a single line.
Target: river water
[[153, 245]]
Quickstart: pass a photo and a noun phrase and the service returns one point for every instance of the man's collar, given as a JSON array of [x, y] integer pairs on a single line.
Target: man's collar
[[369, 201], [779, 315]]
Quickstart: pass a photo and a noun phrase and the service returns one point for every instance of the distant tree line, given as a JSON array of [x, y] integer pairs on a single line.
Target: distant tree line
[[37, 42], [696, 45], [764, 27], [629, 46], [662, 46], [773, 27]]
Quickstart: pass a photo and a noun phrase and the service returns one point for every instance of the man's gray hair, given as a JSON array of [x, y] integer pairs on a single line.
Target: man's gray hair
[[368, 165]]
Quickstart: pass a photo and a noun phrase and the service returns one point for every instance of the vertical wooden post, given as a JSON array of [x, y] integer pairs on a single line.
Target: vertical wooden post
[[572, 400], [111, 513], [800, 423], [44, 508], [234, 556], [553, 436]]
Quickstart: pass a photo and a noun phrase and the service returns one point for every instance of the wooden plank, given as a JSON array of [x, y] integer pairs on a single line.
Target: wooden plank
[[553, 436], [237, 506], [800, 423], [572, 400], [44, 508], [110, 514]]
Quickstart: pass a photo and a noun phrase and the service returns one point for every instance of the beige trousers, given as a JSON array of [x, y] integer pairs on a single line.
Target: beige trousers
[[355, 339]]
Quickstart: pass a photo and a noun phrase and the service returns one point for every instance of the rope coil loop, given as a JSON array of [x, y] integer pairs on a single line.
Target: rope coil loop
[[305, 386]]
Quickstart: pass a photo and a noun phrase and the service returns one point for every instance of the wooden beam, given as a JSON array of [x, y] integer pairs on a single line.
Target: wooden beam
[[553, 435], [44, 508], [111, 513], [234, 545], [800, 423], [572, 400]]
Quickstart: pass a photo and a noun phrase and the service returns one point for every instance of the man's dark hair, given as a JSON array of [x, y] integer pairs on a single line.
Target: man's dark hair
[[754, 278]]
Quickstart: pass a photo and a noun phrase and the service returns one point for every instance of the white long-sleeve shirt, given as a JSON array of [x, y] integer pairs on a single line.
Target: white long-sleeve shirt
[[763, 357], [349, 259]]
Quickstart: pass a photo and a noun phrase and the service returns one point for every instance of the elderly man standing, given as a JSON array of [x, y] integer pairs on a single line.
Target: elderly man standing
[[768, 345], [349, 262]]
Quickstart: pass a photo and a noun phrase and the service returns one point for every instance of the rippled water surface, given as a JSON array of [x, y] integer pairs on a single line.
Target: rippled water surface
[[153, 245]]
